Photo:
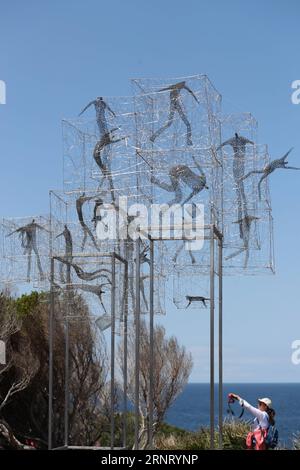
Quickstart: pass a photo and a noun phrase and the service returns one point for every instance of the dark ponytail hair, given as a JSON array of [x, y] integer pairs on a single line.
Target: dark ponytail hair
[[271, 414]]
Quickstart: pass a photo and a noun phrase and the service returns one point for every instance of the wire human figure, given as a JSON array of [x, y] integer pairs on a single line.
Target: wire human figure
[[238, 143], [246, 223], [28, 235], [96, 211], [84, 275], [182, 174], [101, 156], [68, 253], [268, 169], [100, 107], [94, 289], [179, 174], [176, 106], [80, 201]]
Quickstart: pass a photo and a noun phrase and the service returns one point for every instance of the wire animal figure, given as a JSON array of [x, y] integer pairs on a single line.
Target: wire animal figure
[[268, 169], [28, 236], [196, 298], [176, 107], [100, 107], [238, 143]]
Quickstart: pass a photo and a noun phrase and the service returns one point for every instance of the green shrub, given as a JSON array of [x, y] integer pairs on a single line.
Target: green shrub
[[234, 435]]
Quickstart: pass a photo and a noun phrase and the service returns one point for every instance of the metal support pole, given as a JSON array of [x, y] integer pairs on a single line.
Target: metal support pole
[[112, 351], [151, 341], [51, 325], [220, 275], [67, 360], [212, 338], [137, 344], [125, 362]]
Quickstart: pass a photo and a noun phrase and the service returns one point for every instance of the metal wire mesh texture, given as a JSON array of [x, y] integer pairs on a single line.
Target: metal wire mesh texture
[[78, 249], [176, 112], [25, 243], [247, 218]]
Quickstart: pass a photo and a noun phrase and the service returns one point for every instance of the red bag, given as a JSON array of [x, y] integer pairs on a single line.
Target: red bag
[[257, 439]]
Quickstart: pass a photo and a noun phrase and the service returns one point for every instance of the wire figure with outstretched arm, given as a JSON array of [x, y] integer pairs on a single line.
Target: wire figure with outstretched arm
[[238, 143], [28, 235], [246, 226], [80, 201], [68, 253], [100, 107], [268, 169], [176, 106]]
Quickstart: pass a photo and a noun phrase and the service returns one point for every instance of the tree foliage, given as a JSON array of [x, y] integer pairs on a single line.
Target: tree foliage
[[24, 326], [172, 368]]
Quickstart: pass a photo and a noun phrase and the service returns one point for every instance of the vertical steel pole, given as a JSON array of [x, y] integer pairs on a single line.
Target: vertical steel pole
[[137, 343], [67, 359], [125, 362], [212, 338], [220, 275], [112, 351], [151, 341], [51, 328]]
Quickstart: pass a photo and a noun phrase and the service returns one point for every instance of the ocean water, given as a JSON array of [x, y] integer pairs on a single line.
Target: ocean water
[[191, 409]]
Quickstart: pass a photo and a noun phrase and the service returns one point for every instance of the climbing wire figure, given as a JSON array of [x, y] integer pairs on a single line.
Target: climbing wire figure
[[28, 235], [176, 106], [100, 107]]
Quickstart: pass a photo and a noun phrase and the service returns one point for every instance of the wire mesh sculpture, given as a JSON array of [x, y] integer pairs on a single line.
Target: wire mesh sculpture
[[269, 168], [238, 143], [245, 227], [182, 174], [100, 107], [167, 146], [196, 298], [28, 237], [68, 253], [176, 106], [25, 250]]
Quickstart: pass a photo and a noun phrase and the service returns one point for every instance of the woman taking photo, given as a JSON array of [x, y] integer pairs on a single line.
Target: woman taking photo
[[263, 435]]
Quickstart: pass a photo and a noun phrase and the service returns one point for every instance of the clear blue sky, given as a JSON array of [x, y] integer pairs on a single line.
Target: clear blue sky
[[57, 55]]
